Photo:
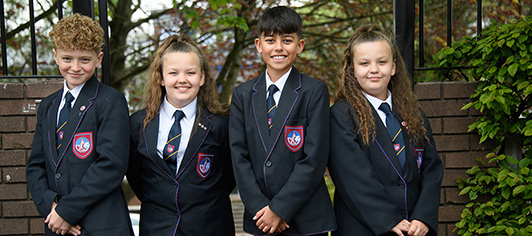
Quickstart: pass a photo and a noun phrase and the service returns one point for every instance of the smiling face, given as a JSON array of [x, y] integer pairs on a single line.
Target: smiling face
[[279, 52], [374, 66], [76, 66], [182, 77]]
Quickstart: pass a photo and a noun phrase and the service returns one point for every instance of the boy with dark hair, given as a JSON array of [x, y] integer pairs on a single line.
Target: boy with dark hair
[[279, 137], [79, 153]]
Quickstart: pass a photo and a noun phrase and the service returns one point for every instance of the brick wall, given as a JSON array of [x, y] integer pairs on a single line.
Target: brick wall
[[458, 149], [18, 107], [442, 103]]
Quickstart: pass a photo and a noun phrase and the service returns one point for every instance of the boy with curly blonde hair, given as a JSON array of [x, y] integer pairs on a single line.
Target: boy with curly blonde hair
[[80, 148]]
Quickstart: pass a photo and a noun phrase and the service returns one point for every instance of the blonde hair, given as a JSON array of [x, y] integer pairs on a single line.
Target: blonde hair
[[154, 91], [77, 32], [404, 100]]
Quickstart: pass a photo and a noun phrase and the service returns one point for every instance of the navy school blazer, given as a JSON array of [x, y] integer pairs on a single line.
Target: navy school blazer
[[196, 201], [373, 193], [85, 174], [285, 169]]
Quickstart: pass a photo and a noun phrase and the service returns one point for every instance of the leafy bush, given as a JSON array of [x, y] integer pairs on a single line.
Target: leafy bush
[[501, 61]]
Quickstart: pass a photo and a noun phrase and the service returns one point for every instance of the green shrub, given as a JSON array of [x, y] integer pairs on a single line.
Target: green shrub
[[501, 61]]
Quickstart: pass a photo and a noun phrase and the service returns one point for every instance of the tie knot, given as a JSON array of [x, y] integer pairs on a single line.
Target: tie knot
[[386, 108], [272, 89], [68, 97], [178, 115]]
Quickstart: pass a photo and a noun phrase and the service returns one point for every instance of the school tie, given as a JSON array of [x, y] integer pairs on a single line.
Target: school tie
[[394, 129], [63, 118], [271, 104], [172, 145]]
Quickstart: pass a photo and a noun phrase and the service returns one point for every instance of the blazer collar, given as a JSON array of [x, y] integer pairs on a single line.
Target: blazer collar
[[385, 141]]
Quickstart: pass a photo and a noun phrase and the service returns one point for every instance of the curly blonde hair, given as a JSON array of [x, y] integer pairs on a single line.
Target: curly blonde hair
[[404, 100], [154, 91], [77, 32]]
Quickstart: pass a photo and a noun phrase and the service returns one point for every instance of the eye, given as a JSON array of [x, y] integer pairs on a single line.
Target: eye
[[269, 40], [85, 60], [382, 62], [288, 40], [191, 73], [363, 63], [66, 58]]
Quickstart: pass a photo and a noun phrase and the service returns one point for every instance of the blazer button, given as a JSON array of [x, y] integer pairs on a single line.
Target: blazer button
[[403, 213], [268, 163], [58, 175], [402, 185]]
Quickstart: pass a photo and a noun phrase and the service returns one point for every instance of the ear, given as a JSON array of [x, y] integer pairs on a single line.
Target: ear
[[258, 45], [99, 59], [55, 56], [202, 78], [300, 45], [393, 68]]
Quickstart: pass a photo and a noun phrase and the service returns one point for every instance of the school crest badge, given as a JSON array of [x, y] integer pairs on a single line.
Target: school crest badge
[[293, 137], [204, 164], [170, 148], [396, 147], [419, 157], [82, 147], [61, 135]]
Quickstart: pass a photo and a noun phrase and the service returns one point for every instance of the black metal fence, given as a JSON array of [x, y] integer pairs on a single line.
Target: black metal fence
[[83, 7], [404, 22]]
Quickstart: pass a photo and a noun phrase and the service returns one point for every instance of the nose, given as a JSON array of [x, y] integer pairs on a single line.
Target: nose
[[278, 46], [373, 68], [76, 65]]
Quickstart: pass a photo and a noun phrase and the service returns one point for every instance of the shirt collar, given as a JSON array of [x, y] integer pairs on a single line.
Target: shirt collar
[[280, 82], [376, 103], [75, 91], [168, 109]]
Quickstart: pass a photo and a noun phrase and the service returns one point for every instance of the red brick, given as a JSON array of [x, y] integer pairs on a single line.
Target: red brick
[[466, 159], [428, 91], [13, 226], [450, 213], [12, 124], [453, 125], [11, 90], [442, 229], [13, 192], [36, 226], [441, 108], [458, 89], [435, 125], [452, 142], [14, 175], [451, 230], [19, 209], [487, 145], [31, 121], [452, 195], [12, 158], [18, 107], [450, 176], [43, 89], [17, 141]]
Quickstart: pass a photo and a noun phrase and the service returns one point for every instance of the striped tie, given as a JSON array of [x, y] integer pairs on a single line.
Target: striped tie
[[172, 145], [271, 104], [63, 118], [394, 129]]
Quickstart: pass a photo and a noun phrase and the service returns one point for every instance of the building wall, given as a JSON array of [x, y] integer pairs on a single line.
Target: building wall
[[441, 102]]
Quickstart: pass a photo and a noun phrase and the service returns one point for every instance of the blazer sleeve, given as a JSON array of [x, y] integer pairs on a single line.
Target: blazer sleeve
[[354, 176], [36, 174], [106, 173], [426, 209], [308, 171], [249, 189], [134, 170]]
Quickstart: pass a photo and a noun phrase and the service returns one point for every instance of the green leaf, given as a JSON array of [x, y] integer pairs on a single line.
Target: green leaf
[[465, 190], [524, 162], [519, 189], [505, 193], [512, 69]]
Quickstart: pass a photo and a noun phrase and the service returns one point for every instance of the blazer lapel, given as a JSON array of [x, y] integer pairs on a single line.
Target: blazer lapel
[[52, 126], [385, 141], [150, 139], [288, 99], [259, 108], [200, 132]]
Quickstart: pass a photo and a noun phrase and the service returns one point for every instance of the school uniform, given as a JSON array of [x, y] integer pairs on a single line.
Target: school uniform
[[195, 199], [373, 192], [85, 173], [283, 167]]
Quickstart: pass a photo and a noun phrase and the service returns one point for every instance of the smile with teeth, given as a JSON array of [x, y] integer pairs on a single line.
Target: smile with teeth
[[278, 57]]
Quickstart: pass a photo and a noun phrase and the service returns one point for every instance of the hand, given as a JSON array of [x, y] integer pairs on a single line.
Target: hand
[[269, 222], [60, 226], [401, 227], [418, 228]]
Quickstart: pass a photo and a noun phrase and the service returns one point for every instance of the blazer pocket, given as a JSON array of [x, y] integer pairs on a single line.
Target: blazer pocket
[[293, 137]]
